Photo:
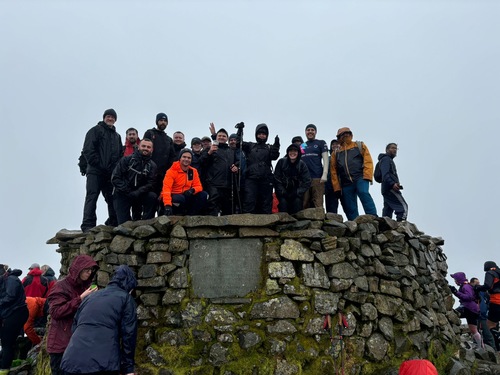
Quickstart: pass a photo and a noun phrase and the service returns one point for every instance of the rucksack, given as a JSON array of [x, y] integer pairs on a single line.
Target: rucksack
[[377, 173]]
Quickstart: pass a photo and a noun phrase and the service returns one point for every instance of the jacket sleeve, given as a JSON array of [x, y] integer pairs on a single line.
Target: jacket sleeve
[[385, 171], [333, 173], [367, 164], [488, 282], [278, 178], [61, 304], [274, 151], [305, 179], [196, 185], [166, 191], [118, 177], [128, 334], [466, 294], [90, 148], [10, 296]]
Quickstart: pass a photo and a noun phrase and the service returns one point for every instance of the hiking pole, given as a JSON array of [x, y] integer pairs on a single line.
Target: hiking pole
[[239, 134]]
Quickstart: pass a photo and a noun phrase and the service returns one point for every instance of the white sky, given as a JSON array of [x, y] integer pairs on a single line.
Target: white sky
[[423, 74]]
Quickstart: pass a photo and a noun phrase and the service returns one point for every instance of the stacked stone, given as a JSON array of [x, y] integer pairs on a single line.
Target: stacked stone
[[387, 278]]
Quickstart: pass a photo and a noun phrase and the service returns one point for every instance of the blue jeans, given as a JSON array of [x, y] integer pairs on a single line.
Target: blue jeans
[[351, 193]]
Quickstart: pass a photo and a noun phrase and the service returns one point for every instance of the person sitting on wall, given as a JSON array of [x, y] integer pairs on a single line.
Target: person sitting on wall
[[182, 191]]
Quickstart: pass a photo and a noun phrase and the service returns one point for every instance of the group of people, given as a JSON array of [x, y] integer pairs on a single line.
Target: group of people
[[81, 315], [225, 174], [480, 304]]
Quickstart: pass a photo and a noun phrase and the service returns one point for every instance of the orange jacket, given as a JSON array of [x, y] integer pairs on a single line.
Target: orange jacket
[[35, 308], [177, 181]]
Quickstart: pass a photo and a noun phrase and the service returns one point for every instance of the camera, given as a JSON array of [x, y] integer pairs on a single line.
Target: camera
[[240, 125], [400, 187]]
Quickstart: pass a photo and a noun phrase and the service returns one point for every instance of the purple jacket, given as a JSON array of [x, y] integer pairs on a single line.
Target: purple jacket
[[465, 293]]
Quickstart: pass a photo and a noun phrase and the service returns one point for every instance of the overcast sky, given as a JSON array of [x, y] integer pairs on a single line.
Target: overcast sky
[[423, 74]]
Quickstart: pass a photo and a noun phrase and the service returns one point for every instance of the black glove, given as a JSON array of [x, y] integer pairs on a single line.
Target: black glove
[[167, 211], [188, 193], [240, 125], [453, 289], [277, 140]]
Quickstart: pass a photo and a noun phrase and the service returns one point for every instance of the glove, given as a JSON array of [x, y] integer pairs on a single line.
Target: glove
[[277, 140], [167, 211], [188, 193], [453, 289], [240, 125]]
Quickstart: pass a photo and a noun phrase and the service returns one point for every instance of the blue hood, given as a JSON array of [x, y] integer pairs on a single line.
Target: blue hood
[[124, 278]]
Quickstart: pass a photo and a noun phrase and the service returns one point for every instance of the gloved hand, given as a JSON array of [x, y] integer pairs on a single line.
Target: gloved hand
[[189, 192], [167, 211], [453, 289], [240, 125], [277, 140]]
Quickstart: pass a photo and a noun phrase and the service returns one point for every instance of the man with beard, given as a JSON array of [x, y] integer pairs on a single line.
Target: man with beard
[[182, 190], [102, 149], [179, 143], [131, 141], [258, 193], [163, 154], [133, 179]]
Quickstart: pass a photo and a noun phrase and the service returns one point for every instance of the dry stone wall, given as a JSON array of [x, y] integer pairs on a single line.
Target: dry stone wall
[[248, 294]]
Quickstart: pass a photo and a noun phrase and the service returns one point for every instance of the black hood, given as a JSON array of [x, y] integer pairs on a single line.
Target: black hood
[[261, 128], [293, 146]]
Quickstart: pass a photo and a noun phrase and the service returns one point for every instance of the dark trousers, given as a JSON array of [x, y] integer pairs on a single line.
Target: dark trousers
[[97, 184], [219, 200], [394, 202], [258, 197], [290, 203], [147, 203], [189, 205], [332, 199], [11, 328], [55, 363]]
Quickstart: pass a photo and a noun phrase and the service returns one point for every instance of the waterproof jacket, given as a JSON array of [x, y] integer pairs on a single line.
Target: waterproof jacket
[[388, 172], [259, 156], [218, 166], [465, 293], [36, 285], [177, 181], [105, 330], [12, 297], [291, 178], [178, 148], [35, 309], [102, 149], [417, 367], [64, 300], [130, 148], [134, 173], [163, 149], [491, 285], [349, 164]]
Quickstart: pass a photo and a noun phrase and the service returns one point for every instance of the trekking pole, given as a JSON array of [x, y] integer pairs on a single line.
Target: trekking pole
[[239, 134]]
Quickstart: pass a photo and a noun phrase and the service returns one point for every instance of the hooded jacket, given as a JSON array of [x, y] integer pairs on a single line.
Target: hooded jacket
[[259, 155], [35, 285], [388, 172], [217, 166], [130, 148], [12, 295], [177, 181], [163, 149], [178, 148], [349, 164], [491, 284], [417, 367], [134, 173], [291, 178], [105, 329], [64, 300], [465, 293], [102, 149]]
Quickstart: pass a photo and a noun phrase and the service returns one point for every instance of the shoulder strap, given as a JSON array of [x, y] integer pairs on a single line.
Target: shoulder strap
[[360, 146]]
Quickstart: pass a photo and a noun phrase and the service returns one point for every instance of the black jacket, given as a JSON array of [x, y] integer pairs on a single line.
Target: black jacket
[[104, 332], [163, 149], [218, 166], [291, 178], [134, 173], [12, 295], [177, 149], [102, 149], [259, 156], [388, 171]]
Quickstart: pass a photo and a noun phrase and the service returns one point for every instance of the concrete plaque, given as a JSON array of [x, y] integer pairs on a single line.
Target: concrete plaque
[[225, 267]]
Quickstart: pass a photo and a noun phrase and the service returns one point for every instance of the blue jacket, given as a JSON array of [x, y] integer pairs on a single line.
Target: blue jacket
[[105, 329], [388, 171]]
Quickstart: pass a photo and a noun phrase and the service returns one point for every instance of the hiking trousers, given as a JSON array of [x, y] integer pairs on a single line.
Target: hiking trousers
[[11, 328], [394, 202], [97, 184], [351, 193]]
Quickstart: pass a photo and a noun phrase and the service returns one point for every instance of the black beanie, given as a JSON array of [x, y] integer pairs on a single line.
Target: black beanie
[[488, 265], [161, 116], [311, 126], [184, 150], [110, 112], [297, 138]]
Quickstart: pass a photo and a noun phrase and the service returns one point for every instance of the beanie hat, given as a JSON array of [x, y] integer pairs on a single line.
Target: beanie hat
[[34, 265], [234, 135], [205, 138], [161, 116], [184, 150], [195, 141], [311, 126], [110, 112], [297, 138], [343, 130], [489, 264]]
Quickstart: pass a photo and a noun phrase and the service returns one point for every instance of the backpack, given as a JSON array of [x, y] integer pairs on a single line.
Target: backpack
[[377, 173]]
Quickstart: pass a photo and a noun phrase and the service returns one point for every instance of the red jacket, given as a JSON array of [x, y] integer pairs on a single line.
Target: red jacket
[[417, 367], [35, 308], [35, 285], [129, 148], [177, 181], [64, 300]]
